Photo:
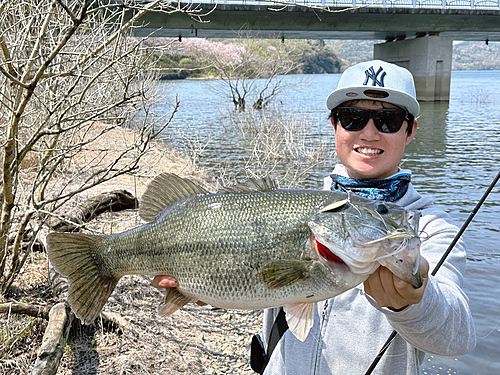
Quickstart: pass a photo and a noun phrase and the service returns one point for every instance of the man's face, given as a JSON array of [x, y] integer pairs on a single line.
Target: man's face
[[369, 153]]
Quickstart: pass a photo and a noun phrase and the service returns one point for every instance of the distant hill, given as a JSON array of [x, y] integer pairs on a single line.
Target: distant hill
[[476, 56], [186, 59], [351, 52], [466, 55]]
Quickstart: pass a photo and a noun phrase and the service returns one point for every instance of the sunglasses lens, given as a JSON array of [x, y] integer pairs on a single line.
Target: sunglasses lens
[[389, 120], [352, 119], [386, 120]]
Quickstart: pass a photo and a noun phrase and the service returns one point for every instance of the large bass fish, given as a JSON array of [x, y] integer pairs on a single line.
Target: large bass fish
[[252, 246]]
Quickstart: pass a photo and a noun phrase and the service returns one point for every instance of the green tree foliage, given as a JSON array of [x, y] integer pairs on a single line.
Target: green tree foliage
[[470, 55], [316, 57]]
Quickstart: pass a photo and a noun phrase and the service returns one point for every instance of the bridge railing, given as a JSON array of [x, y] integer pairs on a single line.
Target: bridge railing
[[437, 4]]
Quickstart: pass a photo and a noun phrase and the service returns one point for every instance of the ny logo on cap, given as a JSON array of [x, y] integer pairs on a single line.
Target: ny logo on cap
[[370, 74]]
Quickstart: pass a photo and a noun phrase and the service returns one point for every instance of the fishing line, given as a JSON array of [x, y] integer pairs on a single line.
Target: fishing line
[[492, 330], [438, 265]]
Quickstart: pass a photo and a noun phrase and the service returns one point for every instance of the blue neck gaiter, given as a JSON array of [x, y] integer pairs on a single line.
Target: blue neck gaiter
[[390, 189]]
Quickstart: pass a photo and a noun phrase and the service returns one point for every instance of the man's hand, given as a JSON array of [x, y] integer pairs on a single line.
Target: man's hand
[[164, 281], [390, 291]]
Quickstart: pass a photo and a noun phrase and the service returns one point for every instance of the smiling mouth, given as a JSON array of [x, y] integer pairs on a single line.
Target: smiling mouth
[[368, 151]]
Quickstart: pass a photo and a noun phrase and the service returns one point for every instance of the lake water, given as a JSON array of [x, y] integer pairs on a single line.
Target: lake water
[[454, 157]]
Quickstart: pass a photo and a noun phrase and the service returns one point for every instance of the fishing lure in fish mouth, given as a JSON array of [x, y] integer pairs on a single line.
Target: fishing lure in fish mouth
[[373, 236], [397, 234]]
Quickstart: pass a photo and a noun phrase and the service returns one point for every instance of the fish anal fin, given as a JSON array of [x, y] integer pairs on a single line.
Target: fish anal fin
[[165, 189], [174, 300], [282, 273], [300, 318]]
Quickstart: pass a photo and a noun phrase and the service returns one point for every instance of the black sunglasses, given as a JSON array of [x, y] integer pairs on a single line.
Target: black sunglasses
[[387, 120]]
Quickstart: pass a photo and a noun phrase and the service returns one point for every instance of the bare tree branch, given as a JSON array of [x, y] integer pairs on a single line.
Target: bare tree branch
[[25, 309], [68, 76]]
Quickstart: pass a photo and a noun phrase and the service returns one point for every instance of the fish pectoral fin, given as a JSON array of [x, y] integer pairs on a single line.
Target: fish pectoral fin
[[173, 301], [281, 273], [300, 318]]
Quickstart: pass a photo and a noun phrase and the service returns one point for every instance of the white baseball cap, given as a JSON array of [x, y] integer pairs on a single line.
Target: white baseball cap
[[376, 80]]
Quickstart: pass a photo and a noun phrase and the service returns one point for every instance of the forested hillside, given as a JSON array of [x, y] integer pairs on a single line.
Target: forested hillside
[[466, 55], [197, 57], [352, 51], [206, 57], [476, 56]]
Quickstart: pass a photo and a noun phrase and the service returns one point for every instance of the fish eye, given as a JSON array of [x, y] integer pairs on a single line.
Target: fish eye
[[382, 209]]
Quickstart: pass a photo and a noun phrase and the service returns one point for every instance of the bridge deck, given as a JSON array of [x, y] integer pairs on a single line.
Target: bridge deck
[[366, 22]]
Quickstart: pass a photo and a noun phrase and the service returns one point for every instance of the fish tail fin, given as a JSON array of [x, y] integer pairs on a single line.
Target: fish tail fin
[[90, 284]]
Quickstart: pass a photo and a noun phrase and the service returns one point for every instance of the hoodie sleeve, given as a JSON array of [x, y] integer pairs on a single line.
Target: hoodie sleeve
[[441, 323]]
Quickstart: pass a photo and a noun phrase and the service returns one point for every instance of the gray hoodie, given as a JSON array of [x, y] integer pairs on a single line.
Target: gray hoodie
[[350, 329]]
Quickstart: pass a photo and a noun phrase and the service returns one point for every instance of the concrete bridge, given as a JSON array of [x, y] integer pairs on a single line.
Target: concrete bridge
[[418, 34]]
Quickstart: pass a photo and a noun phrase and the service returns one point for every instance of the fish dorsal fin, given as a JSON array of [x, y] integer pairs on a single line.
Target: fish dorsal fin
[[165, 189], [252, 185]]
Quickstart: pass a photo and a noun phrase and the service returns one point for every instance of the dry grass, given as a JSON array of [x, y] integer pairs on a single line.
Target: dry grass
[[159, 158], [195, 340], [21, 336]]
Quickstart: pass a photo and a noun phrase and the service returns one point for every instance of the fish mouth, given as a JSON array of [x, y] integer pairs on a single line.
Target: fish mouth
[[369, 151], [364, 260], [405, 263], [334, 260], [398, 260], [326, 253]]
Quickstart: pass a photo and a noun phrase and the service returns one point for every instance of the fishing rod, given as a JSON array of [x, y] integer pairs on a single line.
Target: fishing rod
[[438, 265]]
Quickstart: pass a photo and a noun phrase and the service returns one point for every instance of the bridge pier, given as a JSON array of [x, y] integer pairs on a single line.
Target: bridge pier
[[428, 58]]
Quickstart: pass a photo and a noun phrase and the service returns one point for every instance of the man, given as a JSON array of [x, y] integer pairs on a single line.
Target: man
[[373, 112]]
